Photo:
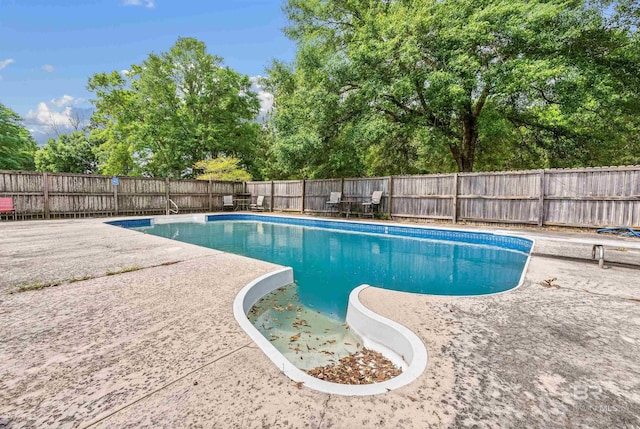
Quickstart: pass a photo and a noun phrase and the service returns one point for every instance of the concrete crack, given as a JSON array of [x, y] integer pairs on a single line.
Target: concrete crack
[[111, 413], [324, 411]]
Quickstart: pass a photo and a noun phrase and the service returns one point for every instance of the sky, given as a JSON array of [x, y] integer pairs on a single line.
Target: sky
[[49, 48]]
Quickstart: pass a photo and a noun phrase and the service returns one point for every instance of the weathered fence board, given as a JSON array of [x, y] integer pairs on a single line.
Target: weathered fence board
[[506, 197], [354, 190], [317, 193], [142, 196], [428, 197], [287, 195], [596, 197], [586, 197], [45, 195], [190, 195], [359, 191], [260, 188], [219, 189], [26, 190]]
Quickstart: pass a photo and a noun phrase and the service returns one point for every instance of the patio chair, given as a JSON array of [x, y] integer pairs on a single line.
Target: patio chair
[[370, 208], [259, 205], [6, 206], [334, 202], [227, 202]]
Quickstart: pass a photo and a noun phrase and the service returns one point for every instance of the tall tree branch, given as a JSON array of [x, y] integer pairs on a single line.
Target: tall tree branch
[[481, 101]]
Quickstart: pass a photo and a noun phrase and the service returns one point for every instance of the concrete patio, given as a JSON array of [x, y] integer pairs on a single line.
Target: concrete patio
[[121, 329]]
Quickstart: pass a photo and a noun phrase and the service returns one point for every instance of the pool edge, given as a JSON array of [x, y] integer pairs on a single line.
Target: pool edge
[[378, 333]]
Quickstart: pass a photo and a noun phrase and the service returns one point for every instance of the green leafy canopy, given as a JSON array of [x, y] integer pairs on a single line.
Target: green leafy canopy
[[174, 109], [68, 153], [224, 168], [16, 144], [382, 87]]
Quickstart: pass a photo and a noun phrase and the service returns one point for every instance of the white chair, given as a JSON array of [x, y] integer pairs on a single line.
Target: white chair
[[369, 208], [259, 205], [227, 202], [334, 202]]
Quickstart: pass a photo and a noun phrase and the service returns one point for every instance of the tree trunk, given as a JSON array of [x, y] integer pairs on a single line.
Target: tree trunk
[[464, 154]]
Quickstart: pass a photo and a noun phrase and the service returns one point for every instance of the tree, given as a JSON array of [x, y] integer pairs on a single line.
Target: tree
[[537, 83], [69, 153], [16, 144], [174, 109], [222, 169], [309, 134]]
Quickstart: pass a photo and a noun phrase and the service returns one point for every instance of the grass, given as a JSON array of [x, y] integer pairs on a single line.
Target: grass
[[124, 270], [39, 284], [36, 285], [137, 267], [80, 279]]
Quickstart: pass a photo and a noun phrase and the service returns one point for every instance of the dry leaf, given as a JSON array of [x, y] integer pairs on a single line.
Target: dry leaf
[[363, 367]]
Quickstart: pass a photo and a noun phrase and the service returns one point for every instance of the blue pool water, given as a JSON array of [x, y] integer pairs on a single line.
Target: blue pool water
[[328, 264]]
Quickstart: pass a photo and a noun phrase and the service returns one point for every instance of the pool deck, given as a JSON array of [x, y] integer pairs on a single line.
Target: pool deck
[[155, 344]]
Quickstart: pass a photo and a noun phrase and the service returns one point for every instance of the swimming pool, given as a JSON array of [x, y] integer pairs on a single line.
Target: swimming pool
[[329, 259], [333, 257]]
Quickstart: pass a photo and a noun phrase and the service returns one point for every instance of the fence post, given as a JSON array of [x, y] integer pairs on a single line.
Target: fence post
[[541, 200], [303, 187], [209, 189], [390, 194], [454, 211], [271, 195], [45, 192], [115, 199], [166, 193]]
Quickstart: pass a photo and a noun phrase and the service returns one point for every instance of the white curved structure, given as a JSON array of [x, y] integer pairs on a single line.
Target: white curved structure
[[378, 333]]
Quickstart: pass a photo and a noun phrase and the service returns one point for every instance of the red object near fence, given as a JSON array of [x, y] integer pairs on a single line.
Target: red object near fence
[[6, 206]]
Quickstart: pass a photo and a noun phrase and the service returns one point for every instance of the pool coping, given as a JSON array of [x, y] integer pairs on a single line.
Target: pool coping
[[378, 333]]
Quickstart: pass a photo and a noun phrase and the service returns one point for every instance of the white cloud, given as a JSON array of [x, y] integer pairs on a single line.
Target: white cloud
[[48, 68], [60, 115], [150, 4], [266, 98], [6, 62], [46, 116], [65, 100], [125, 72]]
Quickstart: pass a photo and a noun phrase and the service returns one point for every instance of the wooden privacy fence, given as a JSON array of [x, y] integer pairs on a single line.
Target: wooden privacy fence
[[51, 195], [589, 197]]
